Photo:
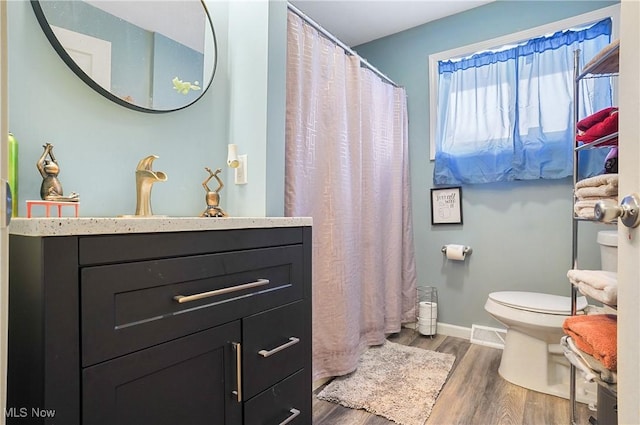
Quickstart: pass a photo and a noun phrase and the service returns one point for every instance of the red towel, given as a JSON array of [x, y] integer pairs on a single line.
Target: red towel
[[596, 335], [593, 119], [598, 125]]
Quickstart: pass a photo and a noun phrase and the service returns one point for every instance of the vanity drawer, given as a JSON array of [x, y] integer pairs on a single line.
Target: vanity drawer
[[288, 400], [105, 249], [131, 306], [274, 346]]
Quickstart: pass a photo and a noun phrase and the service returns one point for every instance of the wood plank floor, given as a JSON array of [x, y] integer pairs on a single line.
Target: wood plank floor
[[473, 394]]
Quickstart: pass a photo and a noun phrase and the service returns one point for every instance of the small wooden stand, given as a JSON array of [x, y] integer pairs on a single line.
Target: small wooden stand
[[49, 204]]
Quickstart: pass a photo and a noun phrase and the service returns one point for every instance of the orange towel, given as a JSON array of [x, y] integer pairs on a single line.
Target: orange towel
[[596, 335]]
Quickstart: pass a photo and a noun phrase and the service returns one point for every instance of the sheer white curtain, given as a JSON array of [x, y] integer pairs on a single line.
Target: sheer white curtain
[[507, 115], [347, 167]]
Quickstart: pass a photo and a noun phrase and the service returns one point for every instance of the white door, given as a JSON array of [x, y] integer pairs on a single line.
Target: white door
[[4, 233], [91, 54], [629, 239]]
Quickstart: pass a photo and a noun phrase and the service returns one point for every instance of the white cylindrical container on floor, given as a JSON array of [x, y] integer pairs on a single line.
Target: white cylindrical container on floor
[[427, 310], [427, 326]]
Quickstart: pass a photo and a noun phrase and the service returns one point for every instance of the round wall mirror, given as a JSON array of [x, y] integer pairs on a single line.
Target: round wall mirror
[[151, 56]]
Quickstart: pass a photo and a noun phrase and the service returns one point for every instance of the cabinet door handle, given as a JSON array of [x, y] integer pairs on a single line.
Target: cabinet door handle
[[294, 414], [187, 298], [238, 348], [292, 341]]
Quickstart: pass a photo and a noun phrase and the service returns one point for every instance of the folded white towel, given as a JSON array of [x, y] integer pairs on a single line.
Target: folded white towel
[[599, 180], [584, 208], [590, 192], [574, 355], [600, 285], [599, 279], [605, 374], [585, 213], [609, 296], [577, 361]]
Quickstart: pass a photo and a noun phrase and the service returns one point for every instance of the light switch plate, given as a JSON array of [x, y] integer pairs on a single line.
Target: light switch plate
[[241, 171]]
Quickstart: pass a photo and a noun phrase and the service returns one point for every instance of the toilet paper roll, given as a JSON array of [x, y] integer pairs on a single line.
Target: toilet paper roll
[[427, 328], [428, 310], [455, 252], [427, 322]]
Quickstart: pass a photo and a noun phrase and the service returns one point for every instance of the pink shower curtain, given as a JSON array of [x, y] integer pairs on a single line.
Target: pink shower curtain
[[347, 167]]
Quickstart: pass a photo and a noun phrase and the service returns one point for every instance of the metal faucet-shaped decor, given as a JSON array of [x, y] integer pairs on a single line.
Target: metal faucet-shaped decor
[[51, 188], [145, 178]]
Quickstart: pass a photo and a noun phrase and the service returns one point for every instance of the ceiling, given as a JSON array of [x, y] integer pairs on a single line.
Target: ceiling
[[187, 23], [355, 22]]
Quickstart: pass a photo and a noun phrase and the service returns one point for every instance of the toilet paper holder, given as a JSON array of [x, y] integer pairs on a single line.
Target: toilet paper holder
[[466, 251]]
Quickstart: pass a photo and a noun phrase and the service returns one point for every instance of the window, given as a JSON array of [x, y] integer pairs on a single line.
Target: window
[[507, 114]]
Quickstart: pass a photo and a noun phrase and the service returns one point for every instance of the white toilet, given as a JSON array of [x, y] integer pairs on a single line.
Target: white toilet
[[532, 355], [608, 240]]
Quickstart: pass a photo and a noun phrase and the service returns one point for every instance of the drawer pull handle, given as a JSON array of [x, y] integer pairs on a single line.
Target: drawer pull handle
[[187, 298], [238, 349], [294, 414], [292, 341]]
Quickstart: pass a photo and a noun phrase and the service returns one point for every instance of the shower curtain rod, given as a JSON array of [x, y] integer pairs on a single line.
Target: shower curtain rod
[[339, 43]]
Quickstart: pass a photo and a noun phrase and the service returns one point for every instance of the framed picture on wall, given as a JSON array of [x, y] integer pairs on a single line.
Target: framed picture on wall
[[446, 205]]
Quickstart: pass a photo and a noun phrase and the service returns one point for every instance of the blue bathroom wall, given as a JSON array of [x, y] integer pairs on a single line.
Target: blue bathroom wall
[[520, 232], [276, 108], [99, 143], [248, 65]]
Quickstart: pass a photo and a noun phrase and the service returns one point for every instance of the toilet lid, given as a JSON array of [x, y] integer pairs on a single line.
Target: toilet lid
[[537, 302]]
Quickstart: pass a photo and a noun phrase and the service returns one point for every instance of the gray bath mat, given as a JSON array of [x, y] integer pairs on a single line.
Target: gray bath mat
[[395, 381]]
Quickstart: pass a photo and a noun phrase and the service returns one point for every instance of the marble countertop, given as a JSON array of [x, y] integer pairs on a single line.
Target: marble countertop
[[113, 225]]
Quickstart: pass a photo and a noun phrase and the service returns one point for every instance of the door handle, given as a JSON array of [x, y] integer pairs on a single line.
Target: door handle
[[267, 353], [294, 414], [188, 298], [628, 211], [237, 347]]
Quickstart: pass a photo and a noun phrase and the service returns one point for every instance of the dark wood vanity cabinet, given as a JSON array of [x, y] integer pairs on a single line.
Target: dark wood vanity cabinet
[[199, 327], [185, 381]]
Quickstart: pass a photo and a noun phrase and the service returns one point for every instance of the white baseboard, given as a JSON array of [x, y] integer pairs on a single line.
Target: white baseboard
[[454, 330], [447, 329]]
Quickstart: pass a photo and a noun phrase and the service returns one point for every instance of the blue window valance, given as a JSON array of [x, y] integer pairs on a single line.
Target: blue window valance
[[508, 115]]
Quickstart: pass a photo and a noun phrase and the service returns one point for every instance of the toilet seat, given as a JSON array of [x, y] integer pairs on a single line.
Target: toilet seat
[[537, 302]]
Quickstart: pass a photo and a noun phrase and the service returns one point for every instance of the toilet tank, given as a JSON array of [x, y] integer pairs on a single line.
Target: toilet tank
[[608, 240]]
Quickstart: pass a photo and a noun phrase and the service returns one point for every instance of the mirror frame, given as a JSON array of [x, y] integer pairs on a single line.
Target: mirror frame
[[53, 40]]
